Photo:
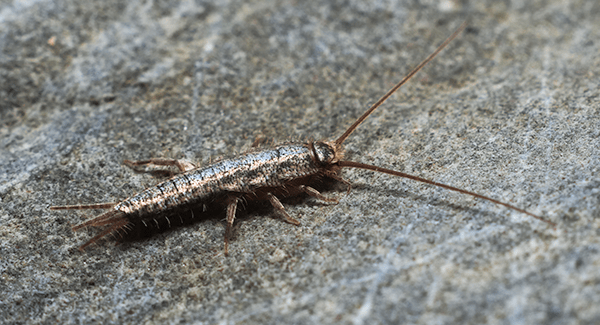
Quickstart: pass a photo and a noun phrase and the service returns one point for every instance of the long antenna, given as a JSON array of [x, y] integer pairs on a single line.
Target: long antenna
[[353, 164], [351, 129]]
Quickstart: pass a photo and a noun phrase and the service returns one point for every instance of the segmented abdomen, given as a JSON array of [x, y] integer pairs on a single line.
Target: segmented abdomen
[[243, 174]]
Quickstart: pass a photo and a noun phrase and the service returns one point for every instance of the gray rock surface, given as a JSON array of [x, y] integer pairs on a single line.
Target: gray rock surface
[[510, 110]]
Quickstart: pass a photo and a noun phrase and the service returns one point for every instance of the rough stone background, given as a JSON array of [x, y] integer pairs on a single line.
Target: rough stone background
[[510, 109]]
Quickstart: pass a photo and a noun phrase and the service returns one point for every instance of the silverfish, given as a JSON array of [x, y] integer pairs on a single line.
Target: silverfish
[[283, 171]]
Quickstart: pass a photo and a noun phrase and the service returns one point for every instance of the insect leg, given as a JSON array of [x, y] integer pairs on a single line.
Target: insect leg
[[279, 207], [314, 193], [183, 166], [341, 180], [231, 208]]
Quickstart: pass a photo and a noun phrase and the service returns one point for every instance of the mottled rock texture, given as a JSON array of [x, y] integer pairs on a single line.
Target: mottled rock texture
[[510, 109]]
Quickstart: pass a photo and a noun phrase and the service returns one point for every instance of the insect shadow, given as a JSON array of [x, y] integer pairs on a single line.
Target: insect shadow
[[263, 175]]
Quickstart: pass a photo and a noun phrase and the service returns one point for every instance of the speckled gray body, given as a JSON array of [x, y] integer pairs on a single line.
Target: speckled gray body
[[245, 174]]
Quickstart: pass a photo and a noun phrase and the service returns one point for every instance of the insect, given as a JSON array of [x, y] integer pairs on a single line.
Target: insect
[[265, 175]]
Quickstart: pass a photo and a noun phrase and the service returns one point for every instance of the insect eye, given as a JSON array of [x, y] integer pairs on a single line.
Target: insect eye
[[324, 152]]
